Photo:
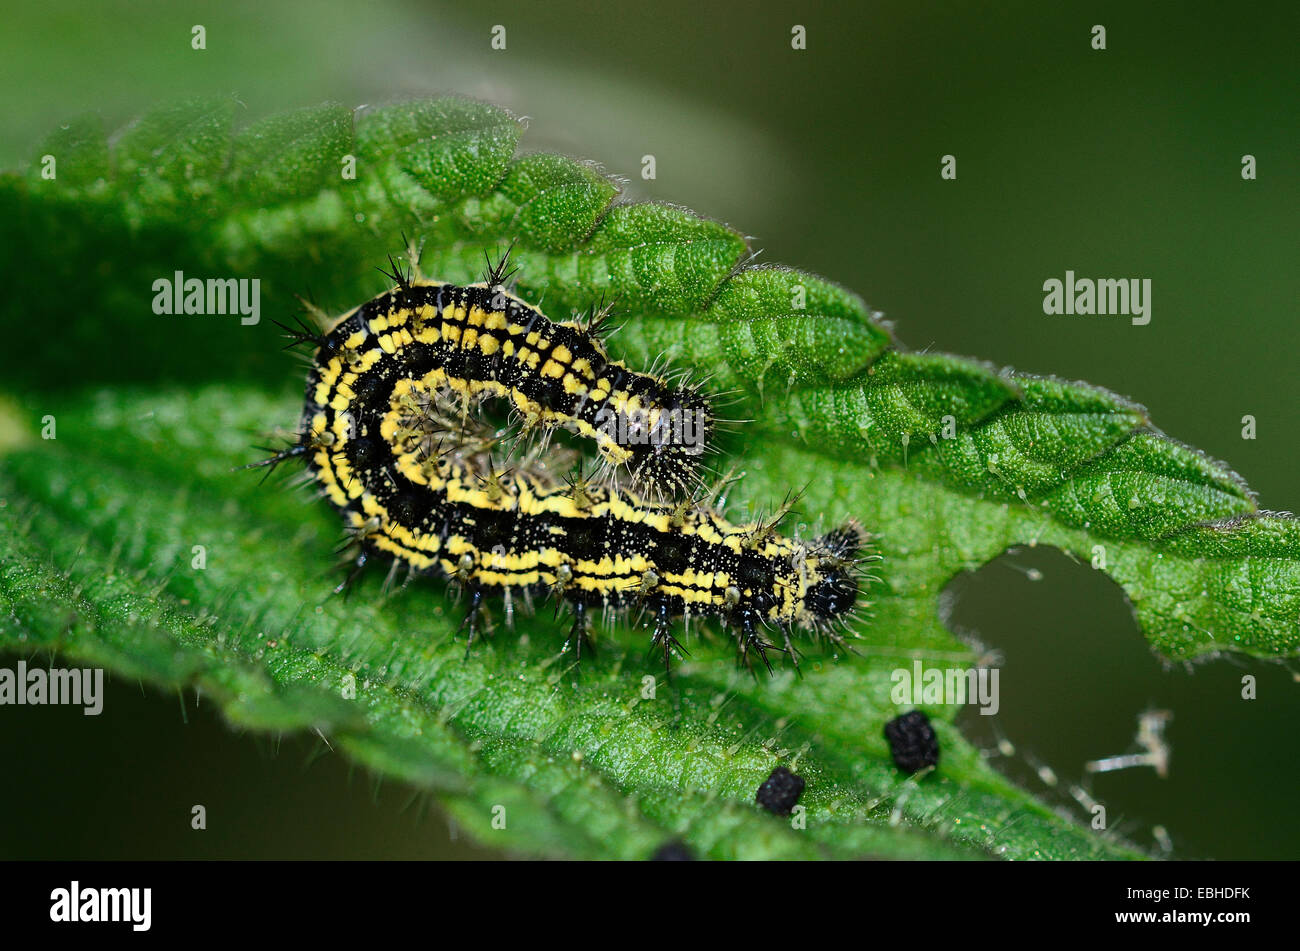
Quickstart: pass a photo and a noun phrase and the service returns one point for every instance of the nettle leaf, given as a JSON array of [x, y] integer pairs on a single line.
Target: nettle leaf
[[129, 542]]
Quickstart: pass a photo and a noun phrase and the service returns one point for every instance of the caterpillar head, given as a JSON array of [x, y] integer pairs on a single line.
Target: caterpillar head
[[835, 593]]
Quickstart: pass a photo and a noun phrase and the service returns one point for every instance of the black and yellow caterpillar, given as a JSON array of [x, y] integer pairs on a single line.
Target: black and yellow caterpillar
[[381, 439], [479, 341]]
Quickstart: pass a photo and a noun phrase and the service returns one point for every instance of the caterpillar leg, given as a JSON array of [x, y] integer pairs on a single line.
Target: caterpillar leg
[[749, 639], [579, 635], [791, 651], [345, 586], [663, 637], [471, 617]]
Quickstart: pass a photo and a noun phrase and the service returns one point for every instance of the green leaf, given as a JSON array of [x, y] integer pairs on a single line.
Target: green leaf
[[80, 153], [449, 147], [175, 155], [949, 462], [291, 156], [546, 199]]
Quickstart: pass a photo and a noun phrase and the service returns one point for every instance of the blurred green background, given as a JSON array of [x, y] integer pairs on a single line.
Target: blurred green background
[[1121, 163]]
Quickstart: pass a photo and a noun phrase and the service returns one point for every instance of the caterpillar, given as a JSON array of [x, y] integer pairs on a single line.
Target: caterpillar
[[389, 441], [480, 341]]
